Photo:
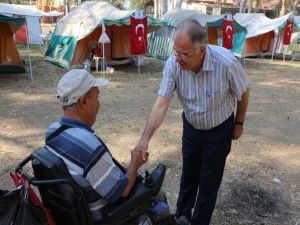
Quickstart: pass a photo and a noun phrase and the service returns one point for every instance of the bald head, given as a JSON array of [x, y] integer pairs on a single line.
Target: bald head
[[193, 29]]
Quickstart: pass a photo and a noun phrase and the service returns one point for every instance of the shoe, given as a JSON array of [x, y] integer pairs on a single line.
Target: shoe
[[182, 220]]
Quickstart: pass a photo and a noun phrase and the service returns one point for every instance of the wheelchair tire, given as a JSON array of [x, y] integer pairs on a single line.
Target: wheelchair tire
[[169, 220], [146, 219]]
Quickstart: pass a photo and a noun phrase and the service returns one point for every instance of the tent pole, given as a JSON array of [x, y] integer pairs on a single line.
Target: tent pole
[[28, 50], [244, 54], [102, 66], [139, 63], [273, 50]]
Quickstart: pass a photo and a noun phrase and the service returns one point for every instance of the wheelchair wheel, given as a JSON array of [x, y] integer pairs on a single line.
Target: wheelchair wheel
[[146, 219]]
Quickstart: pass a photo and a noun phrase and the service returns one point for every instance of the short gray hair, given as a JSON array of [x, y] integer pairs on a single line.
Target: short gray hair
[[72, 106], [194, 30]]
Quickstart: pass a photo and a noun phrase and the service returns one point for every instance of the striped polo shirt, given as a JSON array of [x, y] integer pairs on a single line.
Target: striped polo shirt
[[209, 96], [89, 163]]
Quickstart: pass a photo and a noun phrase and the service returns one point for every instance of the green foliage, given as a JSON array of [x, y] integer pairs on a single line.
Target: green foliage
[[137, 4], [118, 3]]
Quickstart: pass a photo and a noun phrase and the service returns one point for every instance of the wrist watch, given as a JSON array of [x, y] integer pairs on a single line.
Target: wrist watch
[[239, 123]]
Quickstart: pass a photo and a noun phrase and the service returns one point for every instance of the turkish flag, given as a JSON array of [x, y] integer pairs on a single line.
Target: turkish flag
[[288, 32], [138, 36], [228, 30]]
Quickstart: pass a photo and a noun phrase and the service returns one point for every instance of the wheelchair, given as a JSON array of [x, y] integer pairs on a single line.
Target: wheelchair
[[67, 204]]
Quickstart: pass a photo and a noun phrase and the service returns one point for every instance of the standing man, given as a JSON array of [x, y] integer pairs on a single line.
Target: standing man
[[208, 81]]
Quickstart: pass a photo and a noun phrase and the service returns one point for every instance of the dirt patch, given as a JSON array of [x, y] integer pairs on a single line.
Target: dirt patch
[[261, 184]]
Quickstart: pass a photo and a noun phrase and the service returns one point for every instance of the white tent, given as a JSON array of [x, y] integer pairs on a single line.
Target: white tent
[[263, 34], [160, 42], [178, 15], [76, 33], [258, 23], [296, 36], [32, 16]]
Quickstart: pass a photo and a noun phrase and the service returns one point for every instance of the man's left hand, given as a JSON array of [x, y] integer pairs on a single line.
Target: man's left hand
[[237, 131]]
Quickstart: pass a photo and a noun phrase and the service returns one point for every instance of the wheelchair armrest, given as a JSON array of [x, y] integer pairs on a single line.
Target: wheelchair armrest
[[155, 179], [139, 196]]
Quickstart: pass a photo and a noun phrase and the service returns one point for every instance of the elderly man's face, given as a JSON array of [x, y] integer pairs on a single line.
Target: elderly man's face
[[93, 105], [188, 55]]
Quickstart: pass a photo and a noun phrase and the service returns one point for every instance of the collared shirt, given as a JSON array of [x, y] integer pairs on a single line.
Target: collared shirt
[[209, 96], [89, 162]]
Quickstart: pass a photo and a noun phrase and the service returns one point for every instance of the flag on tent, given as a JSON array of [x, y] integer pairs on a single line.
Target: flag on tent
[[288, 32], [228, 29], [138, 36]]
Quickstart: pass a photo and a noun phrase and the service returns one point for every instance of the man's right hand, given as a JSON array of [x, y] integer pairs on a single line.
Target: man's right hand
[[139, 157], [156, 117], [142, 146], [135, 163]]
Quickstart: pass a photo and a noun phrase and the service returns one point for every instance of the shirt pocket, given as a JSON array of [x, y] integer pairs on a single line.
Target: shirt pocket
[[214, 100]]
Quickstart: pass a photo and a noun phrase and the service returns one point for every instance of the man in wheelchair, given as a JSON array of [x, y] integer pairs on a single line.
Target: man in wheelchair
[[78, 178]]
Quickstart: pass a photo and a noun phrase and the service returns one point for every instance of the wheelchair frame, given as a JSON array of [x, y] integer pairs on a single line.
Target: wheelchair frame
[[66, 201]]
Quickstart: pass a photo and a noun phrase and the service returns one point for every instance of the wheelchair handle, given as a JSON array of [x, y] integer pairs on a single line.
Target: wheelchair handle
[[19, 167], [33, 181]]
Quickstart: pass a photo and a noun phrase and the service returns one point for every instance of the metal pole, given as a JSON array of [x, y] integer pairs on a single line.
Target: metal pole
[[28, 50]]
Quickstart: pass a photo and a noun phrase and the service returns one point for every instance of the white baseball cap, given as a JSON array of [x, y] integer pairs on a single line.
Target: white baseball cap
[[75, 83]]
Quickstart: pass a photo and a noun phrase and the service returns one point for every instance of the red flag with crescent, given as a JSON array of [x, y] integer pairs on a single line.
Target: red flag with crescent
[[288, 32], [138, 36], [228, 30]]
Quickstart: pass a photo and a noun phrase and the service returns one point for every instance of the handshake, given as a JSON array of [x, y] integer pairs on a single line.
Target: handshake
[[139, 156]]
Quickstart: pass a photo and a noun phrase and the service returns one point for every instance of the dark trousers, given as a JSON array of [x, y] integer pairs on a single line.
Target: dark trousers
[[204, 155]]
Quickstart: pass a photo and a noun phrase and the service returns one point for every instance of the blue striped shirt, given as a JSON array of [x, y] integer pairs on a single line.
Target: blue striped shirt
[[88, 161], [209, 96]]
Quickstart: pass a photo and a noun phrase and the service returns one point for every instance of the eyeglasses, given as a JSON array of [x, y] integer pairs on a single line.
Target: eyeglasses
[[181, 54]]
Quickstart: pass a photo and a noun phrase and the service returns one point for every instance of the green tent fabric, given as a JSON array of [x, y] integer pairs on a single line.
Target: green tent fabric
[[160, 43], [60, 50], [14, 23]]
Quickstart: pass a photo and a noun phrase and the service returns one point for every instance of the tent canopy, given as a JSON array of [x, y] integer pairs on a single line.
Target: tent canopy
[[13, 23], [261, 32], [10, 60], [297, 22], [161, 42], [31, 32], [177, 15], [73, 34], [258, 23], [25, 10]]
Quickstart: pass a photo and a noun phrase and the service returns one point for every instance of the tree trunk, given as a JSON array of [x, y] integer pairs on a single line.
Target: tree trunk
[[283, 8], [295, 6], [156, 8], [257, 5], [164, 6], [242, 6], [178, 3], [250, 6]]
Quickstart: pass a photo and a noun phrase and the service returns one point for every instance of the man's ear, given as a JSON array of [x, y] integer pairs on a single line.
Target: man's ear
[[82, 101], [202, 49]]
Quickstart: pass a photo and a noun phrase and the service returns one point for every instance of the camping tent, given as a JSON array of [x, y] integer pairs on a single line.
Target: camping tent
[[160, 42], [296, 35], [215, 35], [297, 21], [32, 16], [261, 32], [69, 45], [10, 60]]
